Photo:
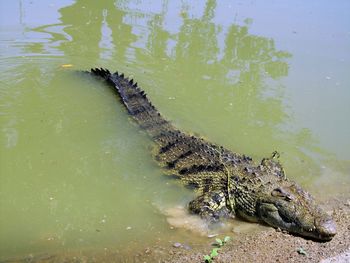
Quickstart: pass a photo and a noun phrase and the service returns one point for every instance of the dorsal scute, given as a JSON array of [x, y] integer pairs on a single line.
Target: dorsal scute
[[272, 166]]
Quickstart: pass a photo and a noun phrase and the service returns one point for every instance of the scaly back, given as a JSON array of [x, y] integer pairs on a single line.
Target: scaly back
[[196, 161], [136, 102]]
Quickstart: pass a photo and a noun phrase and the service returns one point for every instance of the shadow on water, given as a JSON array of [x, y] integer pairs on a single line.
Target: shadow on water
[[212, 78]]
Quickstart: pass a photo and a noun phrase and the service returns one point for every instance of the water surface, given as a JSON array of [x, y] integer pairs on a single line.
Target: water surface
[[256, 77]]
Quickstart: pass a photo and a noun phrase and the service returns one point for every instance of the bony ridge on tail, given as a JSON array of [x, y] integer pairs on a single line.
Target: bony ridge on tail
[[227, 183]]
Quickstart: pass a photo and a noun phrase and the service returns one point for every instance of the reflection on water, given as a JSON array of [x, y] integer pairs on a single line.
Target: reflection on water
[[75, 172]]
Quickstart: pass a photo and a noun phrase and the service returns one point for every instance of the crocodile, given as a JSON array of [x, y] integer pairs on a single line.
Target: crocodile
[[227, 183]]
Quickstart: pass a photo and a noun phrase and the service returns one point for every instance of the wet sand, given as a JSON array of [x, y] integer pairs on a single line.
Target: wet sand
[[273, 246]]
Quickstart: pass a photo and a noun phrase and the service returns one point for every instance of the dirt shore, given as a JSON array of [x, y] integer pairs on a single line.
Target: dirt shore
[[274, 246], [265, 246]]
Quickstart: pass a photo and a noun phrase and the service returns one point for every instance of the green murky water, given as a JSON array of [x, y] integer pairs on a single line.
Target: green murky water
[[255, 77]]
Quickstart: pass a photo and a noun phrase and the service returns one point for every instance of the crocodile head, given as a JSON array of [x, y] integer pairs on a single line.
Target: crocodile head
[[290, 208]]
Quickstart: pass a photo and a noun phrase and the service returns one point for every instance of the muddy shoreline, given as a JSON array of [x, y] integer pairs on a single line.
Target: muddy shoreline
[[271, 245], [268, 245], [274, 246]]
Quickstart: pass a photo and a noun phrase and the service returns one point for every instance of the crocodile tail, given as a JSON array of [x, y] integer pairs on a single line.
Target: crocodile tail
[[136, 102]]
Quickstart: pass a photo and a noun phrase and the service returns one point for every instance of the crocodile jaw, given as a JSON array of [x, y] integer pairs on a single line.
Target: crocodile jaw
[[322, 228]]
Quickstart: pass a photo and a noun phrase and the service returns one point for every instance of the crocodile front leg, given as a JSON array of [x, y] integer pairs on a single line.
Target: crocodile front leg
[[211, 206]]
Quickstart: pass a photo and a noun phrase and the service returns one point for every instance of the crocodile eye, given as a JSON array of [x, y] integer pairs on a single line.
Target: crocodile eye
[[278, 192]]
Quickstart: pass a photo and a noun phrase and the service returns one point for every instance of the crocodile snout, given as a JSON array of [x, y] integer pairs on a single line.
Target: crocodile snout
[[326, 229]]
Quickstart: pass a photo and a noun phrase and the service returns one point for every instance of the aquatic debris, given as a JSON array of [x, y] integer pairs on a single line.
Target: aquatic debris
[[66, 65]]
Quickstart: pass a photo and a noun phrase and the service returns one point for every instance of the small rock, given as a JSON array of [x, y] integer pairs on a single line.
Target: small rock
[[128, 228], [177, 245], [212, 235], [187, 247]]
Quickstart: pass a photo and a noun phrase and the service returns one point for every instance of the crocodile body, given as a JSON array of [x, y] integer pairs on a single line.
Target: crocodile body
[[228, 183]]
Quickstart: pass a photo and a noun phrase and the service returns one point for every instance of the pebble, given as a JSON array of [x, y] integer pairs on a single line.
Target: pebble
[[187, 247], [177, 245]]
